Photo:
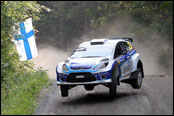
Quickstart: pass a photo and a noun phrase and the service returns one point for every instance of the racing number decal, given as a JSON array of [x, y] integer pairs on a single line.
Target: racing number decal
[[126, 67], [129, 65], [123, 67]]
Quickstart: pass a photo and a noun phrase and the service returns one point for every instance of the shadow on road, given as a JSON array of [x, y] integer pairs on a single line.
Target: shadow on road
[[94, 98]]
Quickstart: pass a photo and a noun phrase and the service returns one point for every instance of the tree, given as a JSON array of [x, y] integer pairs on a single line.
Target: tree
[[14, 12]]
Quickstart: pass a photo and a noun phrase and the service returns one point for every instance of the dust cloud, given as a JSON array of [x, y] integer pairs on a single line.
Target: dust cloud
[[155, 51], [48, 58]]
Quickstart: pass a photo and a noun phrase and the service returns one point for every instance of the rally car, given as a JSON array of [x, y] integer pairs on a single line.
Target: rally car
[[107, 61]]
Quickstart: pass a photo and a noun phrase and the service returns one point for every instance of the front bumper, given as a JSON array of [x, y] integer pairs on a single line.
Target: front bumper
[[89, 78], [85, 83]]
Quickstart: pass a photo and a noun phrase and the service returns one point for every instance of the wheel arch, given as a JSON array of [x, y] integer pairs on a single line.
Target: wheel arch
[[115, 66]]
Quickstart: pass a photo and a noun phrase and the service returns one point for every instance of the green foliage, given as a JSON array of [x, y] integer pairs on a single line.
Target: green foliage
[[22, 96], [15, 73], [155, 15], [13, 12], [71, 20], [65, 23]]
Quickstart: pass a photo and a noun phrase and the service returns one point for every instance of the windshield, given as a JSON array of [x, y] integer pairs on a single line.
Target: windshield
[[92, 51]]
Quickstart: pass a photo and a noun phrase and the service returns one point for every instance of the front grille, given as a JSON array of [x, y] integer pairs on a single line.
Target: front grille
[[88, 77], [80, 68]]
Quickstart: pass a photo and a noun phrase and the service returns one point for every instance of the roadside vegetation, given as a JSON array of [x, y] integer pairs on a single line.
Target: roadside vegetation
[[19, 95], [20, 83]]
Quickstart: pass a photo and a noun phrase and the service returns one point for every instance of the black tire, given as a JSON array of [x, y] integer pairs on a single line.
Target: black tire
[[113, 85], [89, 87], [64, 90], [138, 78]]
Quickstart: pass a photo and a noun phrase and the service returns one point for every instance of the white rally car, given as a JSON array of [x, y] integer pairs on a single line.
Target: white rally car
[[101, 61]]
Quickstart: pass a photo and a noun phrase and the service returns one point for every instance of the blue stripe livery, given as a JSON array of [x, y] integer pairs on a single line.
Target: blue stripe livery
[[122, 60]]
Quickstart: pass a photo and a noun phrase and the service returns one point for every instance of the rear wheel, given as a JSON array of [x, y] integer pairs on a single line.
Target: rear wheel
[[89, 87], [64, 90], [137, 82]]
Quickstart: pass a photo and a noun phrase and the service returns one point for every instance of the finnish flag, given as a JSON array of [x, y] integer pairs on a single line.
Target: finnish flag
[[25, 41]]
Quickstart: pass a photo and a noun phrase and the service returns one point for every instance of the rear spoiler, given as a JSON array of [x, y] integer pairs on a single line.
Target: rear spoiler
[[126, 39]]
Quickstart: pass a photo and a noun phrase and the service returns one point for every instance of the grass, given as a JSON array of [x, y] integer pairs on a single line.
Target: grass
[[22, 96]]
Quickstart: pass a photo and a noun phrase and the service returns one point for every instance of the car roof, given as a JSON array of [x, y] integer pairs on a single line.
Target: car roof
[[105, 41]]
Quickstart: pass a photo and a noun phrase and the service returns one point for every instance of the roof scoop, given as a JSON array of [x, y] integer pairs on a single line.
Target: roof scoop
[[98, 41]]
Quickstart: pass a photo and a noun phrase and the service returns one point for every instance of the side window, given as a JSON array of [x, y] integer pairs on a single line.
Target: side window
[[119, 50], [126, 46]]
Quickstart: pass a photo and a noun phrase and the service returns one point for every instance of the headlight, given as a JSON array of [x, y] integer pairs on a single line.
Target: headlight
[[66, 61], [64, 67], [101, 66], [56, 69]]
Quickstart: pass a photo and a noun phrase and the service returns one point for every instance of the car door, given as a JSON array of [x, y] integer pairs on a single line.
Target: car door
[[119, 55], [128, 60]]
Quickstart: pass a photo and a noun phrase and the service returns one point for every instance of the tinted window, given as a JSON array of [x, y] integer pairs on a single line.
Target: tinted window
[[119, 50], [126, 46]]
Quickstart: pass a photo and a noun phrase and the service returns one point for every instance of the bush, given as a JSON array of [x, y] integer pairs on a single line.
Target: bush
[[20, 97]]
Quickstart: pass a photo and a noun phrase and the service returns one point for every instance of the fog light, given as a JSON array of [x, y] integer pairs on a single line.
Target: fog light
[[61, 78], [103, 77]]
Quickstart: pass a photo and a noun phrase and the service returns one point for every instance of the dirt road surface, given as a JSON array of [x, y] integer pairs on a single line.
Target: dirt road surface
[[155, 97]]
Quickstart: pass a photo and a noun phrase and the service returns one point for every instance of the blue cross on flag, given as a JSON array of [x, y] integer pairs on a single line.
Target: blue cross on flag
[[25, 41]]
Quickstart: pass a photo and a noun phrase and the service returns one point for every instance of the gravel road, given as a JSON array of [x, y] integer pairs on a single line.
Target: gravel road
[[155, 97]]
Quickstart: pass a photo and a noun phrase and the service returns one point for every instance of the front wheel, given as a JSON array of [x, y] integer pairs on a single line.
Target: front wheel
[[113, 85], [64, 90], [137, 82]]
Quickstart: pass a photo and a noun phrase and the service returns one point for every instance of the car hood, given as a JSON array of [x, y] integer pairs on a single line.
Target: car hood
[[83, 63]]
